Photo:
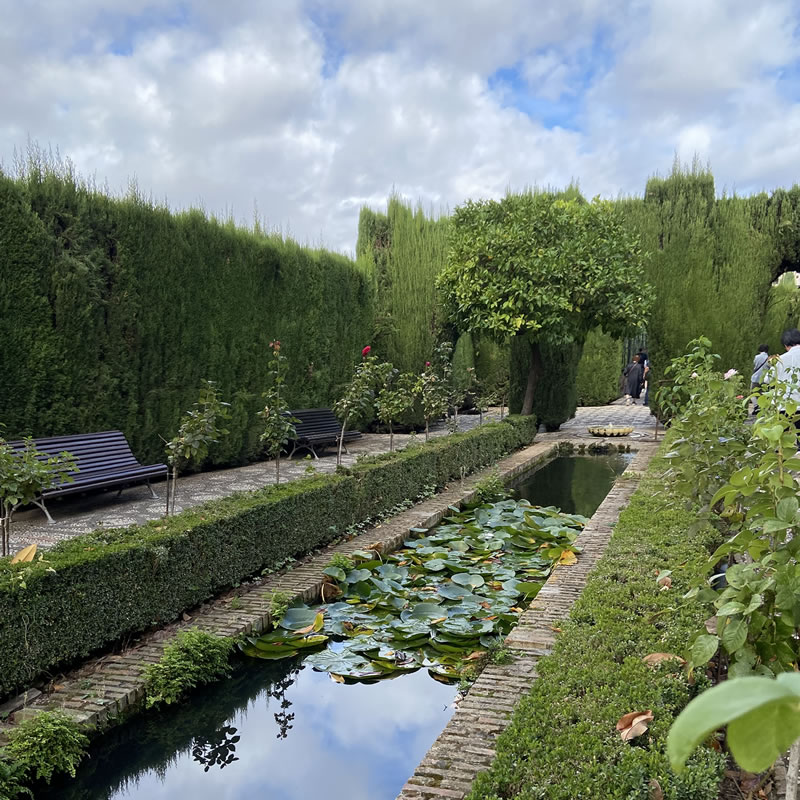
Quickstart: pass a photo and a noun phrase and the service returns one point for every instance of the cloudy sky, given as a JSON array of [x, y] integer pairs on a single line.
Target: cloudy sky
[[308, 109]]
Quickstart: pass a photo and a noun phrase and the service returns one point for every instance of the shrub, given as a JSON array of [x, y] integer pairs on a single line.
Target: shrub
[[193, 659], [52, 741], [96, 588], [562, 742]]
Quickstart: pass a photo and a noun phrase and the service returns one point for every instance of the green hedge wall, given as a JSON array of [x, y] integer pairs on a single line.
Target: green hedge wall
[[112, 312], [599, 369], [562, 743], [112, 583]]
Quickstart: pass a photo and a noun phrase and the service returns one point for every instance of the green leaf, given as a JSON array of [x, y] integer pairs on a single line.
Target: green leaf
[[729, 608], [787, 508], [337, 573], [734, 635], [468, 579], [763, 718], [299, 617], [703, 649]]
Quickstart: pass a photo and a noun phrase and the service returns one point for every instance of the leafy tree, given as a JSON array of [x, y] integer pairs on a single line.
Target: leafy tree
[[279, 425], [24, 476], [395, 399], [542, 268], [360, 392], [434, 394], [199, 429]]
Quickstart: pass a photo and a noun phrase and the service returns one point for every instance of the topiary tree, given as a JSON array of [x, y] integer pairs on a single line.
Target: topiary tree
[[199, 429], [278, 423], [542, 268]]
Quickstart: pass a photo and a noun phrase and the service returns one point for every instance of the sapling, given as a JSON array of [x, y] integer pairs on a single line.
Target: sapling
[[24, 475], [199, 429], [279, 425], [394, 400]]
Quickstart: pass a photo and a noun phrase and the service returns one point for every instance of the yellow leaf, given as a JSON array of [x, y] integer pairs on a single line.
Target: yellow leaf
[[337, 678], [654, 659], [26, 554], [568, 558]]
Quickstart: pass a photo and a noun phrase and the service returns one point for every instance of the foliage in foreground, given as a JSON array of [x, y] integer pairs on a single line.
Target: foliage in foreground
[[193, 659], [50, 742], [562, 743]]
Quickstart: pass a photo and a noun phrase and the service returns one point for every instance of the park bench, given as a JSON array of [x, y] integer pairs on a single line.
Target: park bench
[[318, 428], [104, 460]]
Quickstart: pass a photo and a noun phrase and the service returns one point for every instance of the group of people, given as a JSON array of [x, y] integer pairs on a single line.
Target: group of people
[[634, 379], [787, 365]]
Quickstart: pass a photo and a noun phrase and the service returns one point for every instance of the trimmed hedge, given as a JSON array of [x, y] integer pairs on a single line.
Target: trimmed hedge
[[113, 311], [562, 743], [94, 589]]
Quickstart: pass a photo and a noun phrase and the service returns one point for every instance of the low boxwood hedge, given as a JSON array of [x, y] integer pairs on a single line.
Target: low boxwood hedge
[[94, 589], [562, 743]]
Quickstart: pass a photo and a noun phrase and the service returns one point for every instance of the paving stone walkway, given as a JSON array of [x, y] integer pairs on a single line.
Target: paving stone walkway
[[77, 515]]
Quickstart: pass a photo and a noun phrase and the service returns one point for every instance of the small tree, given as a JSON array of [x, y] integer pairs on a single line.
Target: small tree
[[433, 393], [199, 429], [360, 392], [279, 425], [395, 399], [544, 268], [24, 476]]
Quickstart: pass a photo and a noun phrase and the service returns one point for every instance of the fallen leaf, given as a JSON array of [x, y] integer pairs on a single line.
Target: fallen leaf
[[568, 558], [557, 630], [186, 617], [26, 554], [665, 583], [336, 678], [474, 656], [634, 724], [654, 659], [711, 625], [656, 792]]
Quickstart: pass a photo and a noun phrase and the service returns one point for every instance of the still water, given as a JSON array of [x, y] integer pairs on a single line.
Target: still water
[[293, 732], [575, 484], [280, 731]]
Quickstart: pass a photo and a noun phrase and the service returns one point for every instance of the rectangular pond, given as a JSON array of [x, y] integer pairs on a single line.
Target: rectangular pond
[[281, 730]]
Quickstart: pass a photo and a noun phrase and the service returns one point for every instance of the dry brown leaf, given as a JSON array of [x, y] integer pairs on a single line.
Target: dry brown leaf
[[26, 554], [665, 583], [711, 625], [568, 558], [474, 656], [654, 659], [437, 621], [656, 792], [186, 617], [337, 678], [633, 724], [557, 630]]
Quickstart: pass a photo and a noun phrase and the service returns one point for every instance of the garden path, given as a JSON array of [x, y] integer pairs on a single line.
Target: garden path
[[77, 515]]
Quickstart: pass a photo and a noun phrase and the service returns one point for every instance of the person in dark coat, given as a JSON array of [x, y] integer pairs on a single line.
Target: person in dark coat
[[634, 375]]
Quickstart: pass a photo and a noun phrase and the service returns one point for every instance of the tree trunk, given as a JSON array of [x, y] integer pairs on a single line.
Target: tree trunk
[[341, 443], [426, 430], [277, 468], [391, 438], [792, 770], [480, 415], [534, 371]]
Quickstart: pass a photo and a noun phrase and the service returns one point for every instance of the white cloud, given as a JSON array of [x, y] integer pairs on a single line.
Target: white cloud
[[310, 109]]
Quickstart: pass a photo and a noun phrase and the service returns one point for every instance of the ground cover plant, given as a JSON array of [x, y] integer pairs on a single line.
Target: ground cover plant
[[563, 742], [436, 603]]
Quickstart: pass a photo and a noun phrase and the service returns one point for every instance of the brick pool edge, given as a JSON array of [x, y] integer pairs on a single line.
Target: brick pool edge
[[466, 746]]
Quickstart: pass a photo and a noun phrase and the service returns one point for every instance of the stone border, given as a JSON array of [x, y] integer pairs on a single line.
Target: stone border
[[105, 689], [466, 746]]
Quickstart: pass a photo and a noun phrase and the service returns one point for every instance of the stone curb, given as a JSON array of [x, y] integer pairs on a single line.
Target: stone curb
[[105, 689], [466, 746]]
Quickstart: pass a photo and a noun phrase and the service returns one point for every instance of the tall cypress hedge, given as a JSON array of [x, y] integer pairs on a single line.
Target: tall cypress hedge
[[712, 263], [112, 312]]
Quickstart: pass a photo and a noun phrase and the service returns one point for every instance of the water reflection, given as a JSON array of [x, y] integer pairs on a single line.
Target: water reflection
[[575, 484], [239, 740]]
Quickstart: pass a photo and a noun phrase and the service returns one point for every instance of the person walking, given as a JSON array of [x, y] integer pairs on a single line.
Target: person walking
[[644, 360], [787, 366], [633, 375]]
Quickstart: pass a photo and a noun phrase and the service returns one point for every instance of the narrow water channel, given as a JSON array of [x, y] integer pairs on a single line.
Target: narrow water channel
[[282, 731]]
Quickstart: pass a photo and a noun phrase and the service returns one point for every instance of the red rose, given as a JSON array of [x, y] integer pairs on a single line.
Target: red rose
[[427, 363], [365, 352]]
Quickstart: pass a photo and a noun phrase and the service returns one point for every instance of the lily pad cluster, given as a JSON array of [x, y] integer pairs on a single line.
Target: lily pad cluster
[[437, 603]]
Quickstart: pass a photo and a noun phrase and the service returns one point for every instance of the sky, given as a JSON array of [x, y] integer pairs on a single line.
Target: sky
[[300, 112]]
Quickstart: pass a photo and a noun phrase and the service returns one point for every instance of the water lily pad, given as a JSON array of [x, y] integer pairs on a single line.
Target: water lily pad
[[337, 573], [299, 617], [471, 580], [424, 611]]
